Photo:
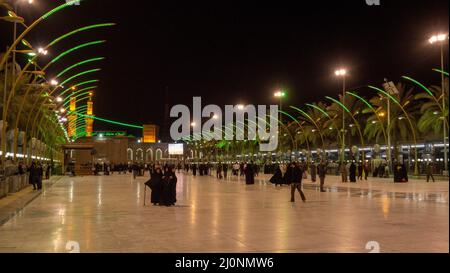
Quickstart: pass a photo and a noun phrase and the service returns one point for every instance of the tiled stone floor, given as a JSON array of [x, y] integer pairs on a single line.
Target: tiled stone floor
[[106, 214]]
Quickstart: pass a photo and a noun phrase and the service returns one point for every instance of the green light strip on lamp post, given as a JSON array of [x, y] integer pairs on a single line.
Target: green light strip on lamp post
[[303, 112], [80, 74], [440, 71], [110, 121], [78, 85], [361, 99], [385, 93], [319, 109], [67, 100], [79, 91], [290, 116], [75, 49], [79, 30], [79, 64], [340, 104], [82, 99], [419, 84]]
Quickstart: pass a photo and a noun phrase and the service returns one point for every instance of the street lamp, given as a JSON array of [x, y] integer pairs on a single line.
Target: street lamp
[[42, 51], [441, 38], [342, 72], [280, 95], [17, 20]]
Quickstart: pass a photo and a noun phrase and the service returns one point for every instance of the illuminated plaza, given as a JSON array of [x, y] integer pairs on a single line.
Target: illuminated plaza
[[106, 214]]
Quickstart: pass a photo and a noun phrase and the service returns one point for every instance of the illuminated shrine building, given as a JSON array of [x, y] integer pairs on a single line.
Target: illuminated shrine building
[[118, 147]]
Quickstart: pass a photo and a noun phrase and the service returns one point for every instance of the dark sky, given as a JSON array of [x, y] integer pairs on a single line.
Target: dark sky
[[232, 52]]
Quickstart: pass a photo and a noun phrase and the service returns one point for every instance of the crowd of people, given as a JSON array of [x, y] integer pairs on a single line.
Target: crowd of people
[[163, 179], [36, 172], [247, 169], [163, 183]]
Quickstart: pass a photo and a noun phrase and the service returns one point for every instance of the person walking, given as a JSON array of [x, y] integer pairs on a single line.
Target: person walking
[[343, 170], [279, 177], [225, 170], [360, 171], [322, 172], [236, 169], [135, 169], [194, 169], [219, 171], [430, 172], [294, 176], [353, 172], [34, 176], [40, 174], [381, 170], [249, 173], [313, 170], [48, 171], [366, 170]]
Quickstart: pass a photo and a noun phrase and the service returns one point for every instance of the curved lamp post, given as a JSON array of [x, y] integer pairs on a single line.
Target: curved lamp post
[[295, 121], [416, 163], [55, 60], [374, 111], [345, 109], [313, 122], [333, 120]]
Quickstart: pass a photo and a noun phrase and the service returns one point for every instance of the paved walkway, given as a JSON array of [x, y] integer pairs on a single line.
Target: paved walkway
[[13, 203], [106, 214]]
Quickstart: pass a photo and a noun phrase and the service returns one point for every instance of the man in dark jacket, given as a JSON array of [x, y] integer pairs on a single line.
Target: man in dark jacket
[[294, 176], [40, 173], [322, 172], [430, 172], [225, 170], [34, 175]]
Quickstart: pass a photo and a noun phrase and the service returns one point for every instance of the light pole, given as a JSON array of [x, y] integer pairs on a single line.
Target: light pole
[[280, 95], [342, 73], [441, 38], [16, 7]]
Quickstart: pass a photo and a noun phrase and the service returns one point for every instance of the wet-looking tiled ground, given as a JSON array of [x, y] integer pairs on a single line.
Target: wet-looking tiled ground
[[106, 214]]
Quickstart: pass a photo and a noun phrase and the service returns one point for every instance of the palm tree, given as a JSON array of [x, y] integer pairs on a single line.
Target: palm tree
[[354, 116], [400, 128], [431, 120]]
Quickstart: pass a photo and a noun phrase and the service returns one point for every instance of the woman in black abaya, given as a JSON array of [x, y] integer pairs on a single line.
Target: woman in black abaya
[[169, 188], [155, 186]]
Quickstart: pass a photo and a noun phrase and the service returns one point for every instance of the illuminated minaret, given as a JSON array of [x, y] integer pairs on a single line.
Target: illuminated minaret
[[90, 112], [72, 118]]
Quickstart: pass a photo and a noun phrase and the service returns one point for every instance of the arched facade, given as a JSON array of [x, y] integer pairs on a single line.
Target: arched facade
[[130, 154], [159, 154], [139, 155], [149, 155]]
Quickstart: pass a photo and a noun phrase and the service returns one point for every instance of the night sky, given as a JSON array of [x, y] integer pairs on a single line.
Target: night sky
[[232, 52]]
